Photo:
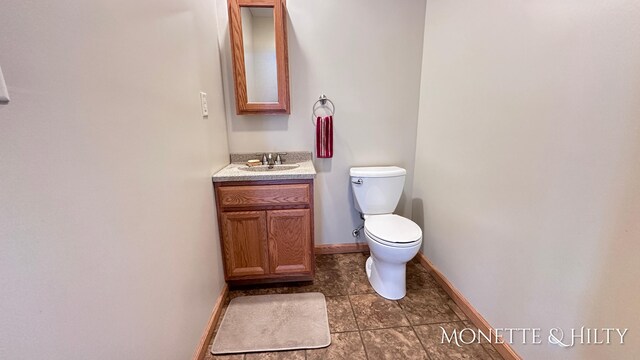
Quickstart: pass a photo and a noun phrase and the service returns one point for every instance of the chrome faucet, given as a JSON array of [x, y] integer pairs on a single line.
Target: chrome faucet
[[272, 159], [267, 159]]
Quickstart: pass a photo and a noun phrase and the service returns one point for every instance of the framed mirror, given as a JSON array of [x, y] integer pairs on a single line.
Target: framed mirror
[[259, 52]]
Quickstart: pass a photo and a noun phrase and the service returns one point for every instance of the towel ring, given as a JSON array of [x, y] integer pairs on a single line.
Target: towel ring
[[322, 101]]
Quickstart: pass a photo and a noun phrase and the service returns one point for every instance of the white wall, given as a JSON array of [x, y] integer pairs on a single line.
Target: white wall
[[527, 179], [366, 57], [108, 243]]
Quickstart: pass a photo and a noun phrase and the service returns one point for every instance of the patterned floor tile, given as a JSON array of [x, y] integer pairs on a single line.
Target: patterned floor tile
[[341, 316], [396, 343], [427, 306], [385, 325], [375, 312], [347, 345], [419, 278]]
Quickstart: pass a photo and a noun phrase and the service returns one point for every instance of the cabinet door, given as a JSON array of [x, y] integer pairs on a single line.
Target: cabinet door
[[244, 237], [289, 241]]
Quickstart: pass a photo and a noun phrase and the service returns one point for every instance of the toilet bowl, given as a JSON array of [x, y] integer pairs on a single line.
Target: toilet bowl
[[393, 240]]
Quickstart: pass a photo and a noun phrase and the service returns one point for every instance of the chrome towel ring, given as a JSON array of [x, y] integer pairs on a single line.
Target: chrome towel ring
[[322, 102]]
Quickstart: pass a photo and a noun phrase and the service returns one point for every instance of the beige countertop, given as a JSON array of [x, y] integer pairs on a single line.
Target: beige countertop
[[235, 172]]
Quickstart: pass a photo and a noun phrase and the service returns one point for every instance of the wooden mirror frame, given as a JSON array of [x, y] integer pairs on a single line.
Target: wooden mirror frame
[[243, 106]]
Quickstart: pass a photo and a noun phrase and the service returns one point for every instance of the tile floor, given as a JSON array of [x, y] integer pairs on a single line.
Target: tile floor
[[366, 326]]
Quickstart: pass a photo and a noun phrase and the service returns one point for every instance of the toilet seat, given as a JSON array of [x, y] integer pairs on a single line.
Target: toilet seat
[[391, 244], [392, 230]]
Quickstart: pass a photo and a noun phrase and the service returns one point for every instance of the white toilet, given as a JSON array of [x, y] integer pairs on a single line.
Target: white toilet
[[393, 240]]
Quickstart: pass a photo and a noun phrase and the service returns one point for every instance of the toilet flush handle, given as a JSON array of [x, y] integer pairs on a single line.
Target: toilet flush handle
[[359, 181]]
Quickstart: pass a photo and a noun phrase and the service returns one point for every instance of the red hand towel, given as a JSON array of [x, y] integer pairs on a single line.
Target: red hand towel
[[324, 137]]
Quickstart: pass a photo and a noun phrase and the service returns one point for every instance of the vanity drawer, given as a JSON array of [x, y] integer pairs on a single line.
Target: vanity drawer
[[250, 196]]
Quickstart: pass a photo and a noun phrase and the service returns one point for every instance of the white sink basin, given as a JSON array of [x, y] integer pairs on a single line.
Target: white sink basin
[[261, 168]]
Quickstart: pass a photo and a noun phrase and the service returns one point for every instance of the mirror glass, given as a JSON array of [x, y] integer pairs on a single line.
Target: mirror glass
[[259, 38]]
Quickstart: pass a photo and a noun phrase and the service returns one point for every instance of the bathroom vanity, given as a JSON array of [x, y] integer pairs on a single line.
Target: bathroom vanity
[[265, 217]]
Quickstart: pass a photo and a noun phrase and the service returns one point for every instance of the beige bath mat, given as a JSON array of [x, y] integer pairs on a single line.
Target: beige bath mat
[[273, 323]]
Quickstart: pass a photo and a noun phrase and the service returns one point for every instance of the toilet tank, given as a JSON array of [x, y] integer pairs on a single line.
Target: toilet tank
[[377, 189]]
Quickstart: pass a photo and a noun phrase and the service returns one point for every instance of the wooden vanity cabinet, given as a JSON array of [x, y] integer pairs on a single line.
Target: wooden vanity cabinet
[[266, 230]]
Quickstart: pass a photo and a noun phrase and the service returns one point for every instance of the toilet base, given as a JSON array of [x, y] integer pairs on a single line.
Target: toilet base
[[387, 279]]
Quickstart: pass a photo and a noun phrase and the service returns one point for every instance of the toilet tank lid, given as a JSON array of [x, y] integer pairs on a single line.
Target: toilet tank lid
[[377, 171]]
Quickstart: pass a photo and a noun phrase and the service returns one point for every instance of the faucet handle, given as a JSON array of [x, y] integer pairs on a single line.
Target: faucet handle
[[264, 158], [279, 159]]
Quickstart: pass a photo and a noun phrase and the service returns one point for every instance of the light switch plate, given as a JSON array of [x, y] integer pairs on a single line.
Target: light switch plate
[[203, 103], [4, 93]]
